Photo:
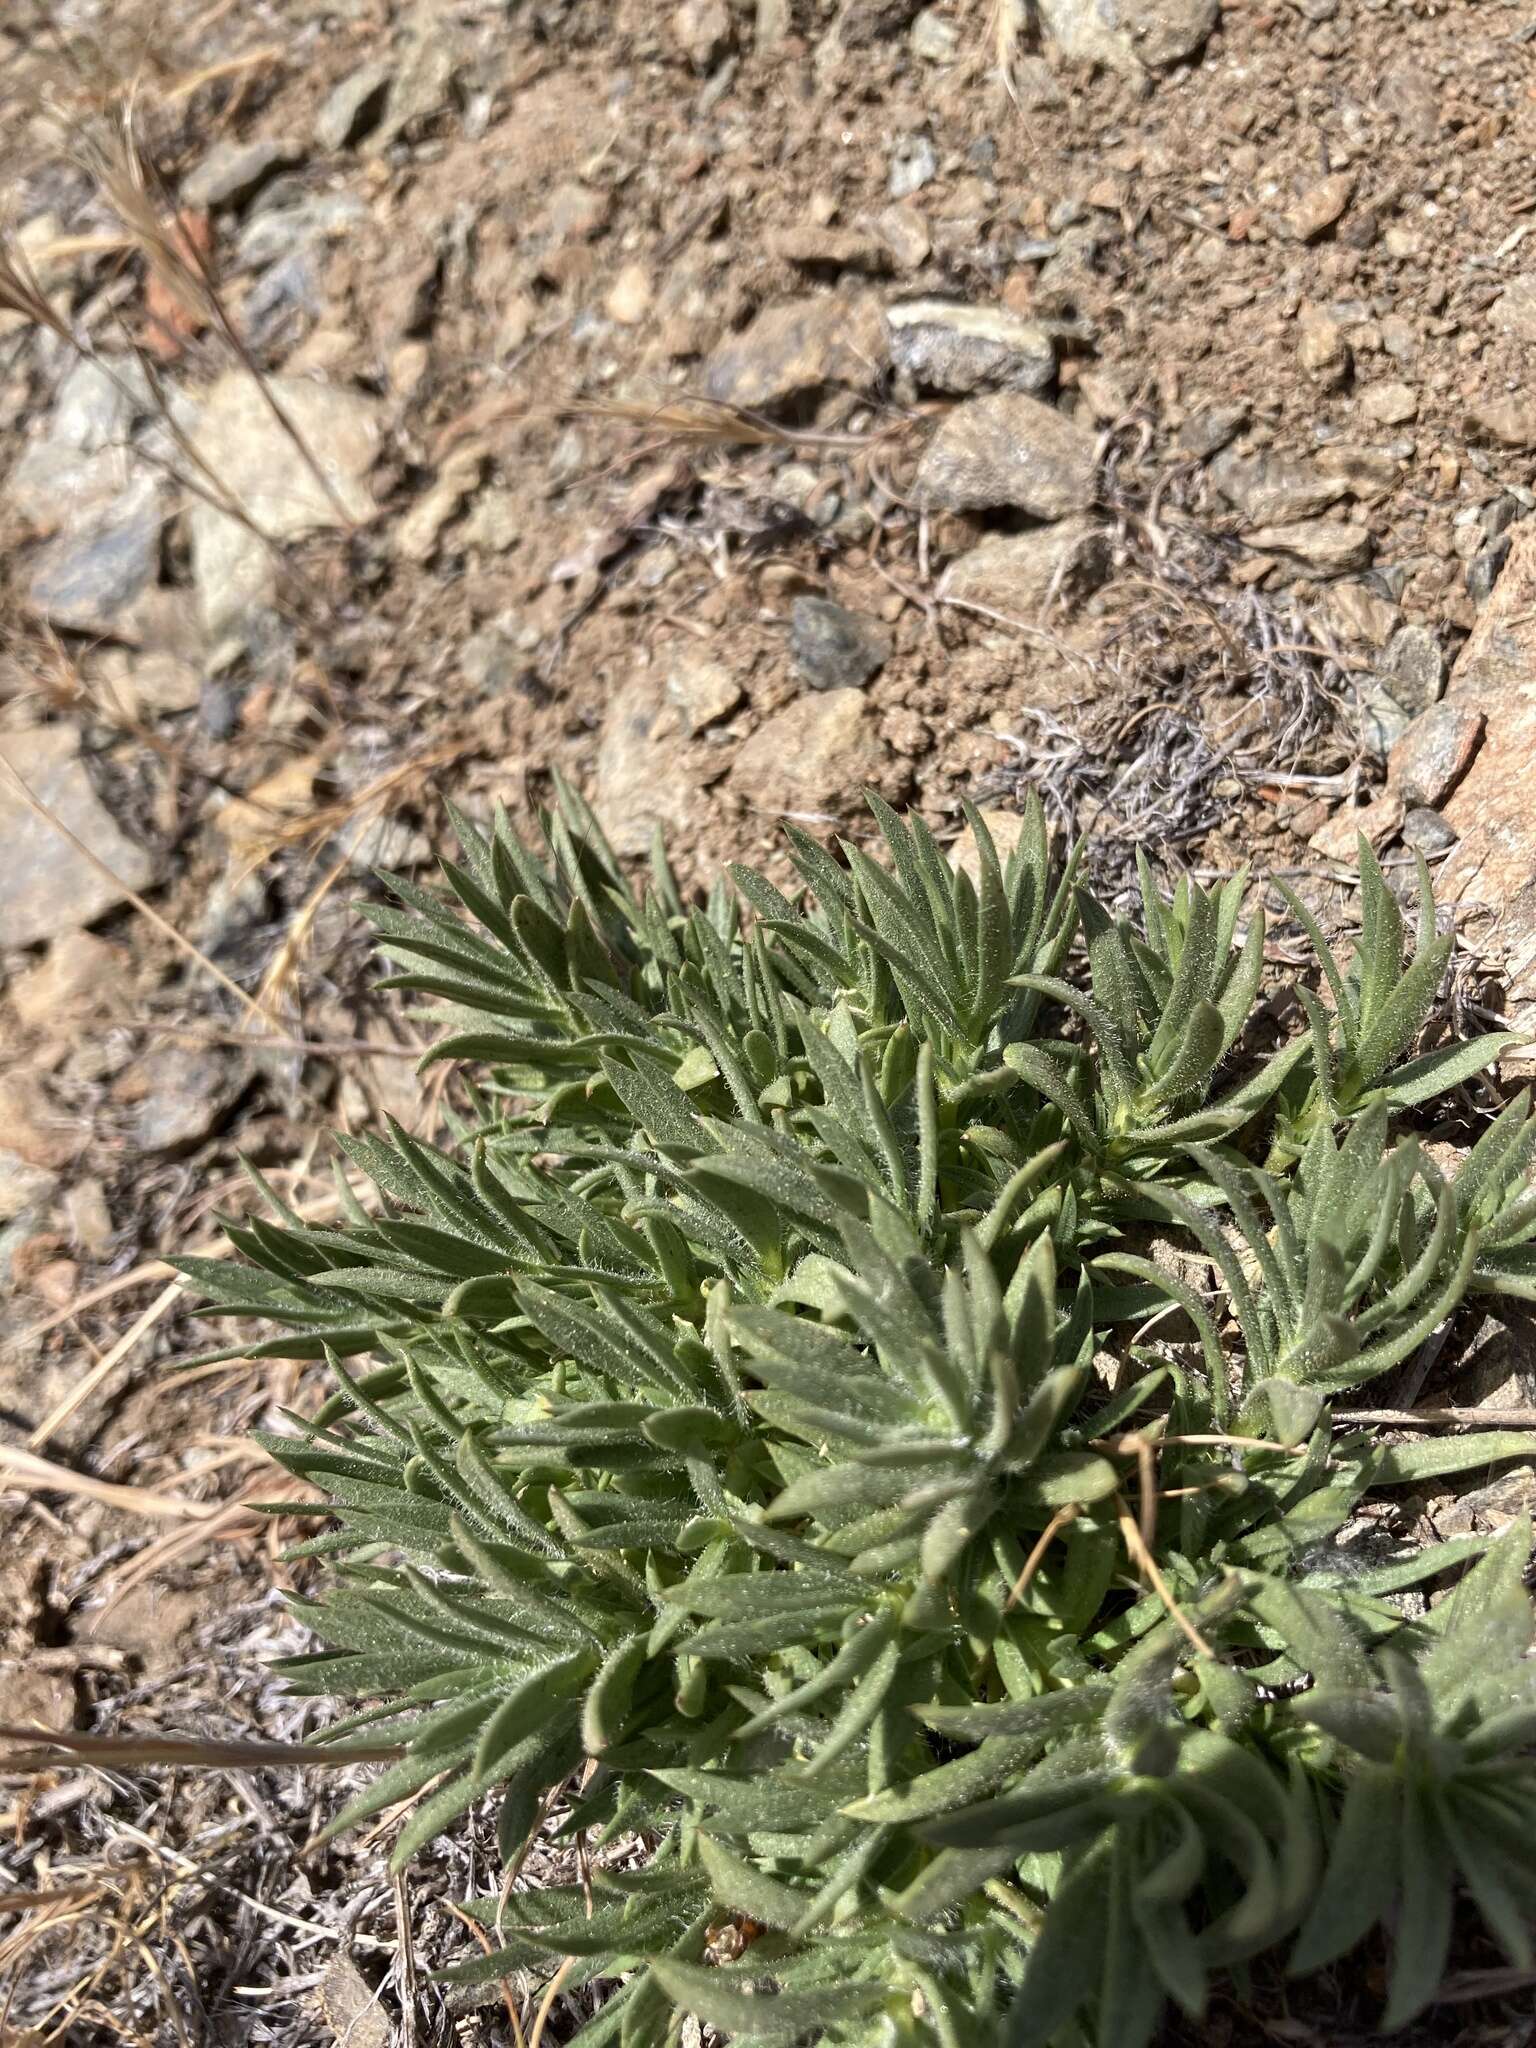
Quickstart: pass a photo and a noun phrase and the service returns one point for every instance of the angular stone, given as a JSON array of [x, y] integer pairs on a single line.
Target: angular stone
[[821, 750], [905, 234], [1428, 833], [1206, 432], [834, 648], [960, 349], [49, 887], [1413, 668], [1434, 754], [799, 346], [185, 1094], [1274, 490], [234, 171], [1389, 405], [640, 782], [1318, 208], [1009, 449], [703, 690], [274, 481], [88, 579], [1361, 614], [1131, 37], [1511, 422], [1315, 547], [1019, 572]]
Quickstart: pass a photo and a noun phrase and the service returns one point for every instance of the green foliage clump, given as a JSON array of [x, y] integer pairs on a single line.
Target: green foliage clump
[[857, 1392]]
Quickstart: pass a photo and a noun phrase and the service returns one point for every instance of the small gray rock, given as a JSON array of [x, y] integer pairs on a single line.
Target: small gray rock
[[353, 107], [914, 164], [1483, 569], [89, 581], [1207, 432], [187, 1091], [49, 888], [1272, 490], [97, 402], [1383, 721], [960, 349], [233, 172], [1499, 514], [1009, 449], [834, 648], [1414, 668], [1426, 832]]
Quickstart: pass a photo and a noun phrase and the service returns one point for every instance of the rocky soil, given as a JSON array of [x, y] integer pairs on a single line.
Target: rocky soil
[[732, 406]]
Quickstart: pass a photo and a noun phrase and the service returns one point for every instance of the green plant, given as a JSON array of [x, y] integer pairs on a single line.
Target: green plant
[[754, 1413]]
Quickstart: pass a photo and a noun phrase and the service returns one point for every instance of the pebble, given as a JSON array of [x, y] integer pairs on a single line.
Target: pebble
[[629, 296], [1511, 422], [1319, 208], [834, 648], [798, 345], [702, 689], [353, 107], [1379, 821], [1315, 547], [960, 349], [184, 1092], [1434, 754], [702, 29], [1130, 37], [1017, 572], [1389, 405], [495, 522], [1382, 720], [1273, 490], [265, 473], [90, 577], [640, 780], [1009, 449], [828, 248], [914, 164], [1427, 832], [1413, 668], [1483, 569], [1361, 614], [233, 172], [1206, 432], [49, 887], [820, 750], [905, 234], [934, 38]]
